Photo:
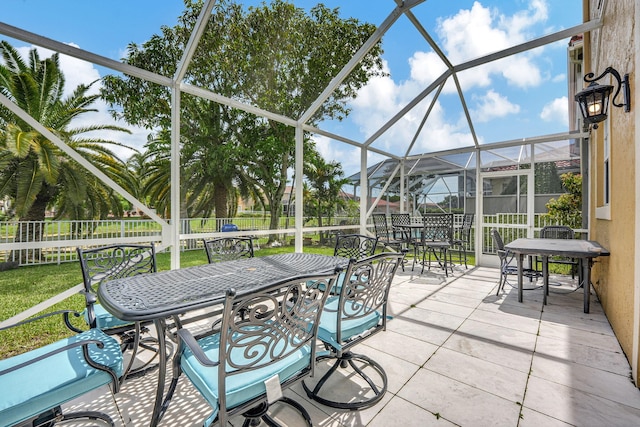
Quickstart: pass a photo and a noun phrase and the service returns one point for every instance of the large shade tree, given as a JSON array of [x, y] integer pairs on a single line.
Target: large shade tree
[[34, 172], [276, 57]]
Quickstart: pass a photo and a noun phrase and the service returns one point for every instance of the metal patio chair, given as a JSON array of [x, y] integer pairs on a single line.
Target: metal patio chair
[[228, 248], [436, 239], [105, 263], [560, 232], [506, 266], [263, 342], [37, 383], [355, 246], [462, 240], [348, 319], [385, 234]]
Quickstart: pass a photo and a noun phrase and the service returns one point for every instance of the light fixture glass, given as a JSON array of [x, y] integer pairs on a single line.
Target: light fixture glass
[[594, 99]]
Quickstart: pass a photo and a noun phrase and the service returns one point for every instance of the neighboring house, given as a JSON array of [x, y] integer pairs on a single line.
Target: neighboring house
[[614, 171]]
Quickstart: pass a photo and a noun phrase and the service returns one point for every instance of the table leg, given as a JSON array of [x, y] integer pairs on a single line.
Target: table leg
[[586, 282], [162, 372], [545, 279], [520, 260]]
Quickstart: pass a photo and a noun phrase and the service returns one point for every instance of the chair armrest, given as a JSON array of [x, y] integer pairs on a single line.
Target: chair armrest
[[191, 343], [65, 316], [63, 349]]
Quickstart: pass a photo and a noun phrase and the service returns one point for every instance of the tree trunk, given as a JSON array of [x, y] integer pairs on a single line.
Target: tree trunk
[[220, 198], [274, 221]]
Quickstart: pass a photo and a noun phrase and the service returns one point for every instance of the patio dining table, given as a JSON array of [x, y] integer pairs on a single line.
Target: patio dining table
[[158, 296], [583, 250]]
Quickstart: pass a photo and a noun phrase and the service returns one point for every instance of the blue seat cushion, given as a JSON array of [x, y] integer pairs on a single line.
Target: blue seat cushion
[[240, 387], [47, 383], [337, 285], [104, 319], [328, 329]]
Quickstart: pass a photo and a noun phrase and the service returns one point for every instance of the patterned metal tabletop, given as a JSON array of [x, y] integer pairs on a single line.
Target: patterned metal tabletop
[[155, 295]]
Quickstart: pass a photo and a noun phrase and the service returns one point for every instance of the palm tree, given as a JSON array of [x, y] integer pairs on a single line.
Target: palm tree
[[34, 172], [326, 181]]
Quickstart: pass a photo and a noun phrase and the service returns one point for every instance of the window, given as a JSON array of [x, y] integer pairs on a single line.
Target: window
[[603, 178]]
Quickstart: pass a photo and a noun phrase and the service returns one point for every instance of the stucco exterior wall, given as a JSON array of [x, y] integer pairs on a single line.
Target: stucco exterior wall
[[613, 277]]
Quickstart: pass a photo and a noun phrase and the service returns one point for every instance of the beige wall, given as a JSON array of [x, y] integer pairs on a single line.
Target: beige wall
[[613, 277]]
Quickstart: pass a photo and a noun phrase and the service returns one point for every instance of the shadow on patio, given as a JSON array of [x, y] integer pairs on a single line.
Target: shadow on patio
[[456, 354]]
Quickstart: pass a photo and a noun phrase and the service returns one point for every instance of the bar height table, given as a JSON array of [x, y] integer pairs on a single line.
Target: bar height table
[[584, 250], [157, 296]]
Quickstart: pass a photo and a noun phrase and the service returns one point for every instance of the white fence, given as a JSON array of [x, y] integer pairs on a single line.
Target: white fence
[[54, 242]]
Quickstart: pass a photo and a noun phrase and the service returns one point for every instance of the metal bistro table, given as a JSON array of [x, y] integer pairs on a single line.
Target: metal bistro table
[[584, 250], [157, 296]]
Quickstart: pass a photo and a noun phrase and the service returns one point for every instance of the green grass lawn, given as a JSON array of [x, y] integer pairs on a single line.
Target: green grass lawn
[[25, 287]]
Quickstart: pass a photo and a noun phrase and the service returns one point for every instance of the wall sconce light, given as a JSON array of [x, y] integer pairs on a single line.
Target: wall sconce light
[[594, 99]]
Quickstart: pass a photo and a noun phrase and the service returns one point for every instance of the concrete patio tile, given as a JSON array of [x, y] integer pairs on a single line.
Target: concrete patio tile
[[399, 412], [342, 386], [576, 407], [585, 323], [500, 354], [411, 293], [498, 334], [531, 418], [402, 346], [496, 379], [605, 340], [446, 308], [459, 403], [361, 417], [507, 320], [456, 299], [398, 371], [286, 415], [396, 308], [477, 294], [614, 387], [497, 305], [420, 330], [431, 326], [608, 360]]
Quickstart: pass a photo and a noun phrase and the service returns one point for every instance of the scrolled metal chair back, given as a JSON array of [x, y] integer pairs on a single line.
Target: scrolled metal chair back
[[366, 288], [228, 249], [557, 232], [380, 226], [268, 325], [355, 246], [438, 227], [114, 262]]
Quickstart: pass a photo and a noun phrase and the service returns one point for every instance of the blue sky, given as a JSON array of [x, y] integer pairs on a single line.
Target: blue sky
[[517, 97]]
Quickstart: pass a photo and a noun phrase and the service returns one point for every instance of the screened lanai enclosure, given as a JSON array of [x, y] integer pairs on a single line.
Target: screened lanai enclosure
[[463, 107]]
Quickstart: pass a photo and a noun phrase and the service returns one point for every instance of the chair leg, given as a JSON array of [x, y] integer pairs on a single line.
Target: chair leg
[[55, 416], [500, 282], [350, 359], [260, 412]]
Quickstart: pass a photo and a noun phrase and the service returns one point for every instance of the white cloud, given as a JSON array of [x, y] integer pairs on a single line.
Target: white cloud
[[493, 105], [559, 78], [556, 111], [479, 31]]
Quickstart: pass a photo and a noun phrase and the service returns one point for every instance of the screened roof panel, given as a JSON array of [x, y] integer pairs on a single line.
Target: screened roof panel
[[500, 96]]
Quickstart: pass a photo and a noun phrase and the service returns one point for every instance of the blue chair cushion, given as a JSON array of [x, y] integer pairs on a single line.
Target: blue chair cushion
[[240, 387], [337, 285], [328, 329], [104, 319], [45, 384]]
